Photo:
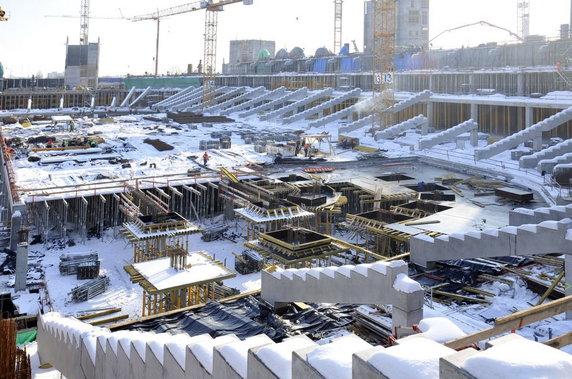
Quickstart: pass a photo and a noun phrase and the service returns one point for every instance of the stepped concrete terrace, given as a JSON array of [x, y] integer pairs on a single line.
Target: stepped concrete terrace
[[355, 93], [531, 161], [533, 132], [450, 134], [294, 96], [521, 216], [249, 93], [224, 93], [547, 165], [346, 284], [412, 100], [395, 130], [344, 113], [140, 97], [178, 98], [358, 124], [125, 101], [83, 351], [226, 98], [256, 100], [293, 107]]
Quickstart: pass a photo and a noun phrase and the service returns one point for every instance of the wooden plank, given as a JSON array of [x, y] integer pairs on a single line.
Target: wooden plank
[[99, 314], [460, 297], [515, 321], [109, 320], [560, 341]]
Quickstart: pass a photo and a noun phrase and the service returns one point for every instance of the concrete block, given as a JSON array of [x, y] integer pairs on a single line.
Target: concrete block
[[100, 357], [258, 369], [111, 361], [171, 367], [361, 368], [137, 365], [450, 367], [222, 369], [153, 365], [87, 366], [401, 318], [123, 370], [194, 368], [301, 368]]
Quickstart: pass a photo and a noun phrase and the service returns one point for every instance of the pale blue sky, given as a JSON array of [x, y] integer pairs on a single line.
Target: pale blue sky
[[30, 42]]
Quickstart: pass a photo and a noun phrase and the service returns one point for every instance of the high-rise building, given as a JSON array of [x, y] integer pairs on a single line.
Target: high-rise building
[[82, 65], [412, 24]]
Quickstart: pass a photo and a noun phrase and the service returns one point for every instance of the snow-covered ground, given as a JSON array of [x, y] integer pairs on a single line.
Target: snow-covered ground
[[126, 137]]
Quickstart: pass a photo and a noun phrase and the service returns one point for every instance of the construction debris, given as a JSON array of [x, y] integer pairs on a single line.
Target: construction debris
[[69, 263], [90, 289]]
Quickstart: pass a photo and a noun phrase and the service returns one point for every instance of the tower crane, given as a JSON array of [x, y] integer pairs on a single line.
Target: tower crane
[[384, 20], [523, 18], [338, 4], [210, 37], [84, 23], [2, 15]]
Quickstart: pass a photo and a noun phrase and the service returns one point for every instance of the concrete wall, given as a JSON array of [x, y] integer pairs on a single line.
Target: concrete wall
[[80, 351]]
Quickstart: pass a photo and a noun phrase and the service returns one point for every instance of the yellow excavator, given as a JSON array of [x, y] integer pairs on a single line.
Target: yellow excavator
[[2, 14]]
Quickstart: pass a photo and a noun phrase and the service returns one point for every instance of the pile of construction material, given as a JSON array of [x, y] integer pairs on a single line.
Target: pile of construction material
[[248, 262], [84, 266], [90, 289]]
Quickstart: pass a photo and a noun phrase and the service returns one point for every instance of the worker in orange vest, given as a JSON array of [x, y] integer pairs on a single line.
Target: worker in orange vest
[[205, 158]]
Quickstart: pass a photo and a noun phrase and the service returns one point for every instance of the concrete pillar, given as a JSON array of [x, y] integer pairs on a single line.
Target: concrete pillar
[[16, 224], [520, 84], [475, 137], [568, 270], [21, 267], [537, 142], [528, 117], [475, 112], [430, 82], [429, 114], [471, 83]]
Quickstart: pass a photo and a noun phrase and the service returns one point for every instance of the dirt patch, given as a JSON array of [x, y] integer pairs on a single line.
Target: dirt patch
[[158, 144]]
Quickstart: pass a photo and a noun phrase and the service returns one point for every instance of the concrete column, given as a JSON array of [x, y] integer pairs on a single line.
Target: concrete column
[[472, 83], [21, 267], [16, 224], [475, 112], [520, 84], [568, 270], [537, 143], [430, 82], [528, 117], [475, 137], [429, 114]]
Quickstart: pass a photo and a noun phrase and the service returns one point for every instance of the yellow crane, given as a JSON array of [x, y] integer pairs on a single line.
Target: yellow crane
[[384, 18], [2, 15], [210, 37]]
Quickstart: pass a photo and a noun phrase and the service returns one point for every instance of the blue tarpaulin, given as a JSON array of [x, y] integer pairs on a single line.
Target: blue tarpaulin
[[349, 64], [320, 65]]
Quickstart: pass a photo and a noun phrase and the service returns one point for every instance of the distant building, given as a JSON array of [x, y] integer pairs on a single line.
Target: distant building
[[412, 24], [242, 51], [82, 66]]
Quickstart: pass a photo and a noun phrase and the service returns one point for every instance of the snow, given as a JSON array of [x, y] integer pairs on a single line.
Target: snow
[[415, 358], [159, 273], [157, 344], [236, 353], [440, 329], [203, 350], [404, 283], [278, 357], [520, 359], [334, 360], [363, 268]]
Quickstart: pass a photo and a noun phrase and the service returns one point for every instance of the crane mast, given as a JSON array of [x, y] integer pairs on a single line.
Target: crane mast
[[523, 18], [84, 23], [210, 36], [338, 25], [384, 20]]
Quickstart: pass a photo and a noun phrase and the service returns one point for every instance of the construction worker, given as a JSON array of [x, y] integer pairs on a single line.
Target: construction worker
[[49, 144], [65, 143], [92, 143], [205, 158], [306, 149]]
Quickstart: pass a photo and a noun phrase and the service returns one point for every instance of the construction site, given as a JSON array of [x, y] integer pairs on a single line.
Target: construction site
[[387, 210]]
